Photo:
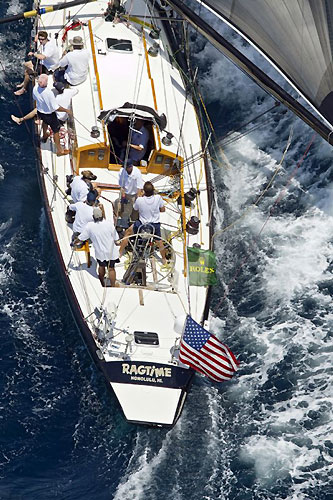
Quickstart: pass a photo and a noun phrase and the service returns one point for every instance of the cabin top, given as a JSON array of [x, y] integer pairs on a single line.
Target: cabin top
[[121, 70]]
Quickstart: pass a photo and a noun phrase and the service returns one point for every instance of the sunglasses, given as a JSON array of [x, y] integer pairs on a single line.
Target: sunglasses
[[41, 39]]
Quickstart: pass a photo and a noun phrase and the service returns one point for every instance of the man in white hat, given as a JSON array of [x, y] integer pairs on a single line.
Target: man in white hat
[[103, 236], [77, 62]]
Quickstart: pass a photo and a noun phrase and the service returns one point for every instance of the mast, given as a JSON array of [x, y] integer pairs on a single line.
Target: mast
[[255, 73], [43, 10]]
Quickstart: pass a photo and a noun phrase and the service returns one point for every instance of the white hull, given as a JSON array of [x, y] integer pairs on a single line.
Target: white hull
[[148, 381]]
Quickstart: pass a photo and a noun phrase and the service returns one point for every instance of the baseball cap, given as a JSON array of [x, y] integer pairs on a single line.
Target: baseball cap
[[59, 86]]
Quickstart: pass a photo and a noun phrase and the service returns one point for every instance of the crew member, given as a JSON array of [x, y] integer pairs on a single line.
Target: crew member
[[149, 206], [47, 56], [84, 212], [46, 110], [138, 141], [81, 185], [131, 183], [76, 63], [103, 236], [63, 97]]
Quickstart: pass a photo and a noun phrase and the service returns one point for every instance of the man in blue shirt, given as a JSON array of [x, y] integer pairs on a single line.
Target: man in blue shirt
[[138, 141]]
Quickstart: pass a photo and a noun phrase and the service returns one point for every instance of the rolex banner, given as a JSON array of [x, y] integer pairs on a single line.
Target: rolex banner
[[201, 267]]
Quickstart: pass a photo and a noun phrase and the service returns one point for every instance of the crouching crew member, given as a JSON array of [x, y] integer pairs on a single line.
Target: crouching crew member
[[103, 236], [81, 185], [76, 63], [84, 212]]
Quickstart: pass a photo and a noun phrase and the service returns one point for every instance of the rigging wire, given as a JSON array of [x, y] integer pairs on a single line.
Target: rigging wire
[[272, 108], [234, 136]]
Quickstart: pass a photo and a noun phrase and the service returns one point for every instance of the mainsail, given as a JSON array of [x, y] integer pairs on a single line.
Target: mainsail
[[295, 35]]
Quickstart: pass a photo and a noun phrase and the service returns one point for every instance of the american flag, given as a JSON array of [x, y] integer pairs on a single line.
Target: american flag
[[205, 353]]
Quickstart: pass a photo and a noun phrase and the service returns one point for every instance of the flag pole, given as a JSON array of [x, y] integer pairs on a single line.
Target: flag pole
[[188, 279], [183, 330]]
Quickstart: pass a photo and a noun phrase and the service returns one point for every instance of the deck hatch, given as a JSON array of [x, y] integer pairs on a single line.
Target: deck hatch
[[120, 45], [146, 338]]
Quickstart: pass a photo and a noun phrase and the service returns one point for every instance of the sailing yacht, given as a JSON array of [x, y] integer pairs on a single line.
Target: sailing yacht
[[132, 330], [138, 71]]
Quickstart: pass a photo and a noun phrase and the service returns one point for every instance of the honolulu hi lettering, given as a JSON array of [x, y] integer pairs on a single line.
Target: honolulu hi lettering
[[202, 269], [148, 379], [150, 371]]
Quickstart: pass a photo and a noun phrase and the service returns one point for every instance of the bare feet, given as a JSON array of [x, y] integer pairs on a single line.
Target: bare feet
[[16, 119], [20, 92], [63, 153]]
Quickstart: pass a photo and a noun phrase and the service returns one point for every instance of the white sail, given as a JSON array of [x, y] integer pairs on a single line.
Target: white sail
[[295, 35]]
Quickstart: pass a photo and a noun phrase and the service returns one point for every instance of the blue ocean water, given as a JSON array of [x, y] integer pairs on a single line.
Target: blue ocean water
[[265, 435]]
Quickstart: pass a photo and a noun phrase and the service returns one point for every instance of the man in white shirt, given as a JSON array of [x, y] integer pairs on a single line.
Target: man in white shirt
[[47, 56], [63, 97], [81, 185], [149, 206], [46, 110], [77, 62], [130, 180], [131, 184], [47, 53], [83, 212], [103, 236]]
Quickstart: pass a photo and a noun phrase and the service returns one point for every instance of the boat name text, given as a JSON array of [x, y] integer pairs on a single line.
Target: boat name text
[[150, 371]]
